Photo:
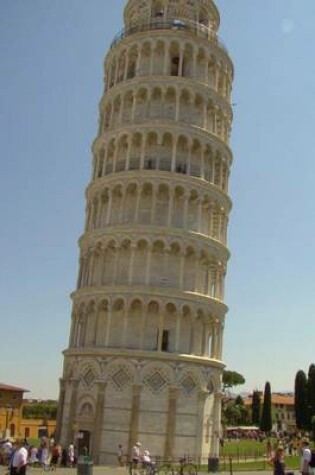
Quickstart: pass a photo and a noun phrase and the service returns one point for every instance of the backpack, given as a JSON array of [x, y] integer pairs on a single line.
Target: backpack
[[312, 461]]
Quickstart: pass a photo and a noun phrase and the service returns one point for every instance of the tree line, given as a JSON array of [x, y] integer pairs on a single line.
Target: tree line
[[235, 413], [304, 401]]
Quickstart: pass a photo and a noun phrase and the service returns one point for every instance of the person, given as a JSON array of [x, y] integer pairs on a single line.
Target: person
[[268, 449], [136, 453], [306, 456], [277, 462], [120, 455], [71, 455], [55, 455], [146, 459], [19, 459], [43, 454], [7, 450], [33, 455]]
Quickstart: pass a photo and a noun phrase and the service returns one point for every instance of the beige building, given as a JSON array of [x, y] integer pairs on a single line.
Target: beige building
[[145, 352], [12, 422], [282, 409]]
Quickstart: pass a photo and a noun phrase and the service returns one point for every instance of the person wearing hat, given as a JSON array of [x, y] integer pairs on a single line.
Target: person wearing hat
[[306, 456], [136, 453]]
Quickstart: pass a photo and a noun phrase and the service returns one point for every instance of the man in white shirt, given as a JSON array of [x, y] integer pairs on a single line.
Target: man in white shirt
[[19, 459], [305, 457]]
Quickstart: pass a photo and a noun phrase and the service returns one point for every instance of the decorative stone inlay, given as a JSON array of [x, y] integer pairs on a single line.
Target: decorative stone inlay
[[121, 379], [155, 382], [89, 377], [188, 385]]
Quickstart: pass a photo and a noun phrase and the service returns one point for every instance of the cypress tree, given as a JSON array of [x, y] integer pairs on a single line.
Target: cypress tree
[[266, 420], [256, 408], [311, 393], [301, 401]]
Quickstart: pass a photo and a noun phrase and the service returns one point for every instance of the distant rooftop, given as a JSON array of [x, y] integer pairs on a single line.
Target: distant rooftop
[[7, 387]]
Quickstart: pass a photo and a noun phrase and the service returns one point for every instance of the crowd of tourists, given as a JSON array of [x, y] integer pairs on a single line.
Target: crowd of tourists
[[18, 454]]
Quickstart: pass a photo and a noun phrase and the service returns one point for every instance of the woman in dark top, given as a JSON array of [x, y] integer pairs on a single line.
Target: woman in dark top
[[278, 462]]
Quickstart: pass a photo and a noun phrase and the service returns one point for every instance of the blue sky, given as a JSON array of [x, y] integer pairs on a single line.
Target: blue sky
[[51, 81]]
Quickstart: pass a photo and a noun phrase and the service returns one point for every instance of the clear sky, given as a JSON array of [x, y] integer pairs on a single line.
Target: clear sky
[[50, 83]]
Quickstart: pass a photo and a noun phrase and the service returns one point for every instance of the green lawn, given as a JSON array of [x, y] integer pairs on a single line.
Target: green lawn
[[250, 455]]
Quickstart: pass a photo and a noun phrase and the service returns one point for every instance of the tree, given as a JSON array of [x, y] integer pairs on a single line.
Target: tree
[[235, 412], [300, 401], [266, 420], [256, 408], [313, 427], [40, 410], [311, 393], [232, 378]]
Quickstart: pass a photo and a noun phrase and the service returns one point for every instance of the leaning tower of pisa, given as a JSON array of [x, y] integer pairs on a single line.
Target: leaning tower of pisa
[[144, 360]]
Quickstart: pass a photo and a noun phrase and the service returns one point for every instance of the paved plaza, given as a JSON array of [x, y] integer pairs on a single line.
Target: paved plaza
[[110, 470]]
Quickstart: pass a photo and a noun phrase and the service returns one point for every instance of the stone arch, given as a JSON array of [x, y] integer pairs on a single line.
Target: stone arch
[[103, 309], [128, 99], [116, 202], [165, 152], [174, 53], [157, 9], [146, 201], [110, 156], [141, 261], [142, 98], [196, 159], [129, 205], [135, 151], [178, 207], [146, 58], [156, 103], [175, 263], [123, 262], [159, 263], [190, 269], [119, 308], [86, 408], [208, 164], [197, 116], [136, 316], [162, 198], [132, 62], [170, 103], [122, 153], [151, 151], [117, 103], [201, 60], [182, 154], [170, 325], [159, 57], [192, 210], [188, 60], [185, 107], [109, 257], [151, 325]]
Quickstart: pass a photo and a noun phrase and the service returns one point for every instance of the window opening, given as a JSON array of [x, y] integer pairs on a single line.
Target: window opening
[[165, 340]]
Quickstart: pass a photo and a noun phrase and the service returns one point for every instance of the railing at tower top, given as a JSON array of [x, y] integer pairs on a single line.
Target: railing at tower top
[[172, 24]]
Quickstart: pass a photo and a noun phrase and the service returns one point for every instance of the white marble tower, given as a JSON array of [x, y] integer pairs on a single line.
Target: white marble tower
[[144, 360]]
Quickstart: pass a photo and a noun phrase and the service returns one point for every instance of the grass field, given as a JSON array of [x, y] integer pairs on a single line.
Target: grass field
[[250, 455]]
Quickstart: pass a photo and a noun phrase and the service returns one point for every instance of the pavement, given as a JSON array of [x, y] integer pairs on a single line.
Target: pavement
[[112, 470]]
